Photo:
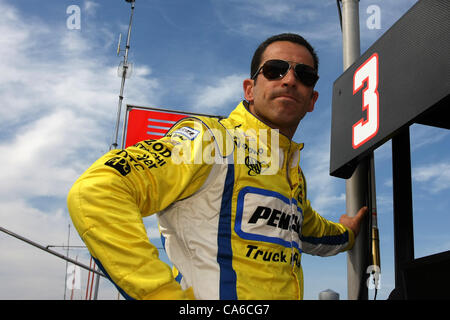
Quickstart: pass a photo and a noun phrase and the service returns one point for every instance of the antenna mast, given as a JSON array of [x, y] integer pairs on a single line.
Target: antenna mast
[[124, 71]]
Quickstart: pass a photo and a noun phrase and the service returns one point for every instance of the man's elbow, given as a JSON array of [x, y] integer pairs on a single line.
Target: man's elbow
[[74, 207]]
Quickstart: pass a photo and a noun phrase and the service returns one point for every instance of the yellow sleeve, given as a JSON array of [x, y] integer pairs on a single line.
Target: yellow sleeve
[[323, 237], [108, 201]]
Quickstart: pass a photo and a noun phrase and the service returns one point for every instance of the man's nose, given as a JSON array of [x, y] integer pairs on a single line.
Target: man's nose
[[290, 79]]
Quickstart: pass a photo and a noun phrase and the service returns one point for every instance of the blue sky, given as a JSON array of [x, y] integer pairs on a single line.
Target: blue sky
[[59, 91]]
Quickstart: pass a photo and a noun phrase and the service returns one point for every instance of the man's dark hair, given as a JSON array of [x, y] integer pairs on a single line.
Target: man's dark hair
[[291, 37]]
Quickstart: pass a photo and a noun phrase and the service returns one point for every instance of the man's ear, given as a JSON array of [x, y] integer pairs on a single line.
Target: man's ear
[[248, 89], [312, 102]]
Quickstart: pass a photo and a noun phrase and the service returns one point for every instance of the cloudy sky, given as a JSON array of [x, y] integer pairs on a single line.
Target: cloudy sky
[[59, 91]]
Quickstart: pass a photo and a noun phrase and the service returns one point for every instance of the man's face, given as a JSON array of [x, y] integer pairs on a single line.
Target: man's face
[[281, 103]]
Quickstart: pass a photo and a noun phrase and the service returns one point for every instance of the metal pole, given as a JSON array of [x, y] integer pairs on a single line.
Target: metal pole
[[65, 277], [403, 207], [350, 32], [374, 240], [15, 235], [97, 284], [124, 74], [356, 186]]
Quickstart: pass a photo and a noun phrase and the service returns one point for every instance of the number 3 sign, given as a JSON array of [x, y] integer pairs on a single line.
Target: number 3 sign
[[364, 130]]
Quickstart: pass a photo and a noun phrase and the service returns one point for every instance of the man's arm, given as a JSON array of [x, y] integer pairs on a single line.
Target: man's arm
[[325, 238], [107, 204]]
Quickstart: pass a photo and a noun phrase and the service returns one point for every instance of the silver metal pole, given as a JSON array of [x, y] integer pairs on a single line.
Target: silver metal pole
[[350, 32], [356, 186], [124, 74], [15, 235], [65, 277], [97, 285]]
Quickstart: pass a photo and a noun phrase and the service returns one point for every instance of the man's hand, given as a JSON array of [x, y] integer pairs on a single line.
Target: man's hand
[[353, 223]]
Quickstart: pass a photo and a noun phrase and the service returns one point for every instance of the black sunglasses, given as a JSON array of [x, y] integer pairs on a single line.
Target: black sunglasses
[[277, 69]]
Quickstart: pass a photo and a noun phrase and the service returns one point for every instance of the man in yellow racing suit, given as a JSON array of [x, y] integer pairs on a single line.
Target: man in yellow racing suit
[[230, 196]]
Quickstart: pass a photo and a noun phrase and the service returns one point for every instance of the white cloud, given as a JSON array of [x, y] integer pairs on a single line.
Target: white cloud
[[326, 193], [43, 155], [431, 177], [435, 176], [24, 267], [228, 91], [281, 12], [59, 91], [317, 21], [422, 136], [260, 19], [90, 7]]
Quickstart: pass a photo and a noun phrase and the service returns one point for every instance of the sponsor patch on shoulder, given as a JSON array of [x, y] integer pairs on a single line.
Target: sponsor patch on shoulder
[[188, 132]]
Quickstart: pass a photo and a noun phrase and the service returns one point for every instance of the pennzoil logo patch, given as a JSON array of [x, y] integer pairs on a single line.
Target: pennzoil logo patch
[[188, 132], [268, 216]]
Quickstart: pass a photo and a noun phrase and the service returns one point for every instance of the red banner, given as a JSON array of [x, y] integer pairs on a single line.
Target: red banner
[[143, 123]]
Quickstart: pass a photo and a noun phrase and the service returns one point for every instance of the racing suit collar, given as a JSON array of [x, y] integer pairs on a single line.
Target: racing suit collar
[[249, 120]]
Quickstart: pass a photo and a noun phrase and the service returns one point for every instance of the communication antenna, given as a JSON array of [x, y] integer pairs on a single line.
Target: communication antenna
[[118, 44], [124, 71]]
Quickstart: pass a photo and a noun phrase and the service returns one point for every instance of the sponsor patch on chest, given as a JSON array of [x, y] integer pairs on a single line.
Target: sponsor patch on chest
[[268, 216], [188, 132]]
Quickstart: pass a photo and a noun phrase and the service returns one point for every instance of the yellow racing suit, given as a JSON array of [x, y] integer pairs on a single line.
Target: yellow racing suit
[[232, 208]]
